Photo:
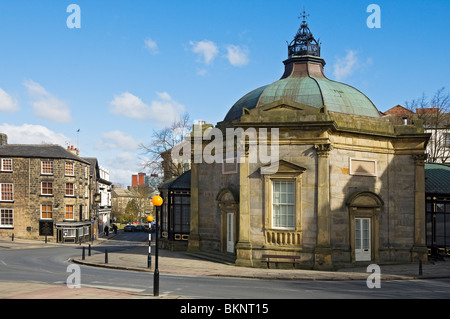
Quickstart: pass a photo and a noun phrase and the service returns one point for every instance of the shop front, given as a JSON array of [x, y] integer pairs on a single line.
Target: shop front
[[73, 232]]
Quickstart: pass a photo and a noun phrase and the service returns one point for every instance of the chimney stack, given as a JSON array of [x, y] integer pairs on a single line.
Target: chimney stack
[[73, 150], [3, 139]]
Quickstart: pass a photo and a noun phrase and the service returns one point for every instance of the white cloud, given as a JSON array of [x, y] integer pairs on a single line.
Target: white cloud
[[207, 50], [33, 134], [163, 110], [117, 140], [347, 65], [202, 72], [129, 105], [122, 166], [151, 45], [237, 56], [7, 102], [45, 105]]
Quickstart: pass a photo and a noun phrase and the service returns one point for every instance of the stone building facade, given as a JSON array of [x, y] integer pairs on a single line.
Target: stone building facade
[[348, 186], [44, 193]]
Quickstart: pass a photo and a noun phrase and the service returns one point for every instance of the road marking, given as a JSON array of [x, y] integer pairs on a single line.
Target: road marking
[[114, 288]]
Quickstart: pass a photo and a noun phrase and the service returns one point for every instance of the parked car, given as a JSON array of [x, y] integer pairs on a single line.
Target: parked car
[[140, 228], [129, 228]]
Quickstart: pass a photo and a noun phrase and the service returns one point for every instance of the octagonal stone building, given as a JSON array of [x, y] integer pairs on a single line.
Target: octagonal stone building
[[348, 187]]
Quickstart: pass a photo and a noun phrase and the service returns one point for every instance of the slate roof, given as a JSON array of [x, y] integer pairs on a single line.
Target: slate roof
[[437, 178], [182, 182], [38, 151], [121, 192]]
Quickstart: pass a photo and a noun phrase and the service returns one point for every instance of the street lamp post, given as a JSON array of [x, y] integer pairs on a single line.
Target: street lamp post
[[156, 201], [149, 258]]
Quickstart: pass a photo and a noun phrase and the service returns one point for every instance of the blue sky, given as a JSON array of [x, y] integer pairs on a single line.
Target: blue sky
[[134, 65]]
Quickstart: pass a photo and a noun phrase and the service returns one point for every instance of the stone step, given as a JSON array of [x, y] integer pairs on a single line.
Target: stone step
[[214, 256]]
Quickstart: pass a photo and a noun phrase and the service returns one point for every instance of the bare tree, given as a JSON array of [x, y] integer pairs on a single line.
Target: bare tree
[[435, 114], [159, 149]]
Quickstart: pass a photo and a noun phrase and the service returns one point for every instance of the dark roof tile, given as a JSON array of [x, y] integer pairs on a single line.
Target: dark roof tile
[[38, 151], [437, 178]]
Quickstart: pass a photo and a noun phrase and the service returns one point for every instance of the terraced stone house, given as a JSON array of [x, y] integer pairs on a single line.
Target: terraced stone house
[[44, 193]]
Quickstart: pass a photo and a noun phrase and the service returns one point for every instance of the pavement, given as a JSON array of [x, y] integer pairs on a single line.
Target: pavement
[[181, 263]]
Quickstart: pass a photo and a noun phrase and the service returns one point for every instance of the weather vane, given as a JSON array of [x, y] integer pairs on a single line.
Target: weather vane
[[304, 16]]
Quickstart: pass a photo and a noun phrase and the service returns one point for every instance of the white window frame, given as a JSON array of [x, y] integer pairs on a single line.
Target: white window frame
[[73, 190], [288, 226], [1, 193], [73, 212], [51, 188], [73, 169], [2, 210], [2, 165], [286, 172], [42, 167], [46, 218]]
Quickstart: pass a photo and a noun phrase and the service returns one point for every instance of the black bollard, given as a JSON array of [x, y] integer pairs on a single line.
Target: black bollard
[[106, 256], [83, 254], [12, 237], [420, 267], [89, 250]]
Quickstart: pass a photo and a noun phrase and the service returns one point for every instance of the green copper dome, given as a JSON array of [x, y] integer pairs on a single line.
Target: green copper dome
[[304, 82]]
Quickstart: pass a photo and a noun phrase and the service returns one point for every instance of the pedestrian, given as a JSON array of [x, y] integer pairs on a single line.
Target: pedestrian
[[115, 228], [106, 230]]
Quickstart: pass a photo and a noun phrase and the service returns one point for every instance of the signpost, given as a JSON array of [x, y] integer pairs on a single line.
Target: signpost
[[45, 228]]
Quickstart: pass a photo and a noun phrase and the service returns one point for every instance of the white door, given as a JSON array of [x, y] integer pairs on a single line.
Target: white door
[[362, 239], [230, 232]]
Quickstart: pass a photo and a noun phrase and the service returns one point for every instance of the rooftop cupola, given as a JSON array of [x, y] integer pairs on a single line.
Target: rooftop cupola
[[304, 54], [304, 42], [304, 82]]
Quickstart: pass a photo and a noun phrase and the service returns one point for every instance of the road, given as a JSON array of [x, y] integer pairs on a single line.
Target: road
[[49, 265]]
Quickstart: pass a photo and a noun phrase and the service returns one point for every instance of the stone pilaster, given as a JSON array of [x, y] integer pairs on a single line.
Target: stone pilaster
[[196, 159], [322, 251], [419, 250], [244, 246]]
